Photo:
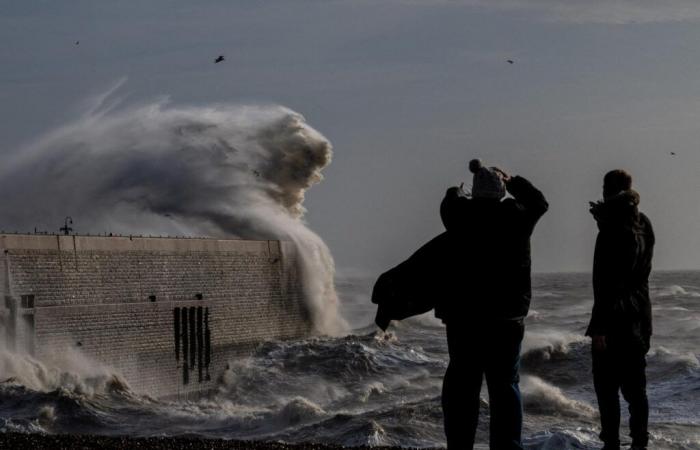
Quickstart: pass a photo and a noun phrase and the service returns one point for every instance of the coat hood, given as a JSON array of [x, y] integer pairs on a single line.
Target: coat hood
[[620, 210]]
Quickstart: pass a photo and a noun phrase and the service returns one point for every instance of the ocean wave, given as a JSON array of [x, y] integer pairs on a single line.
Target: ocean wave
[[72, 372], [568, 362], [540, 397], [549, 340], [546, 294], [14, 425], [559, 358], [675, 290], [670, 308], [300, 410], [558, 438], [664, 363], [353, 373], [350, 357], [373, 390], [412, 423], [61, 410]]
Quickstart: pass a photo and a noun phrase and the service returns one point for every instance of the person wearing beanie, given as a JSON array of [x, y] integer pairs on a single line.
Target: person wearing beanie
[[620, 325], [488, 182], [486, 301]]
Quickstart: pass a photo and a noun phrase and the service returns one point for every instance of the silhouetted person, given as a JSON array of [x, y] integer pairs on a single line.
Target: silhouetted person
[[487, 299], [620, 325]]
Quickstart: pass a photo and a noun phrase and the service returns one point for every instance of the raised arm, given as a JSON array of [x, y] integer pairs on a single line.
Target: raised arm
[[530, 200], [453, 208]]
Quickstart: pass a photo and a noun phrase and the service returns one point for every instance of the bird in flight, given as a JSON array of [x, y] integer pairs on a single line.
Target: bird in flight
[[77, 42], [510, 61], [219, 59], [673, 153]]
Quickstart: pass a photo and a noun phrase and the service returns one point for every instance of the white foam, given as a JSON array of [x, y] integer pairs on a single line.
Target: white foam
[[665, 356], [220, 171], [71, 371], [47, 416], [300, 410], [550, 340], [674, 290], [542, 397]]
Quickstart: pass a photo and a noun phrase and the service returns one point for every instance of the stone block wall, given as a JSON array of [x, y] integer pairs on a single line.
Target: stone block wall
[[166, 313]]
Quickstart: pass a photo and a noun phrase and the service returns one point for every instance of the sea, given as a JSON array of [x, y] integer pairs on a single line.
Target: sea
[[370, 387]]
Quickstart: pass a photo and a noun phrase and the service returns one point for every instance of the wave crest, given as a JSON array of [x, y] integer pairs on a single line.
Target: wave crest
[[221, 171], [540, 397]]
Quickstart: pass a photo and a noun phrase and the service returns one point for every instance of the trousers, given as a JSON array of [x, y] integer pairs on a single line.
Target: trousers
[[621, 367], [490, 349]]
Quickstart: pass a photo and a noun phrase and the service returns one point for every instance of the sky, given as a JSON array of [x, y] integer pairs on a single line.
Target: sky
[[407, 91]]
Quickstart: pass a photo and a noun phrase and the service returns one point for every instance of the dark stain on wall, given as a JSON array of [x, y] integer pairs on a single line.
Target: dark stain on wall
[[176, 323], [200, 342], [185, 367], [207, 343], [193, 336]]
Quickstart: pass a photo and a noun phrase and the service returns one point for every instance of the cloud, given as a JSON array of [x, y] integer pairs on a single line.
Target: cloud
[[593, 11]]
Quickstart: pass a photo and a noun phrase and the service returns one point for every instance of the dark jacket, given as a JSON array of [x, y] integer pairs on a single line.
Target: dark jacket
[[412, 287], [621, 268], [489, 272]]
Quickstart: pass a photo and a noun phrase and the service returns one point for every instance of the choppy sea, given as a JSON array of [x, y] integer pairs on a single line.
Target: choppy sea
[[374, 388]]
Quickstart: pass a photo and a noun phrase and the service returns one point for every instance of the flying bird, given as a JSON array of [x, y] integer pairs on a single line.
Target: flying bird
[[77, 42], [673, 153], [219, 59], [510, 61]]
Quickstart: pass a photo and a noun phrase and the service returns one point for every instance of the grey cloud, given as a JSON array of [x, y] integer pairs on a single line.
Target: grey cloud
[[592, 11]]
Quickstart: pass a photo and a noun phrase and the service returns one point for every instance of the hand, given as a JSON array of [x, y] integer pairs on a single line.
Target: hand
[[453, 192], [599, 343], [502, 173]]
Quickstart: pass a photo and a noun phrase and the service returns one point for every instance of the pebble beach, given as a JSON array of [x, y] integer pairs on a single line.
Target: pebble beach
[[85, 442]]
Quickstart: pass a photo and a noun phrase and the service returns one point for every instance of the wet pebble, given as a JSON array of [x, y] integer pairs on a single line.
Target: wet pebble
[[90, 442]]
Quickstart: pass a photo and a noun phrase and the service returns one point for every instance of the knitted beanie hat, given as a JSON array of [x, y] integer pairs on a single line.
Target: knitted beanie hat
[[487, 182]]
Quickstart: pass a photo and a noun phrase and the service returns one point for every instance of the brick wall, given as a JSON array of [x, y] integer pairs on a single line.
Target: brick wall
[[166, 313]]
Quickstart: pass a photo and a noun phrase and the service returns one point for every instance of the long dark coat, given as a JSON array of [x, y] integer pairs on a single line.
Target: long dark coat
[[621, 267]]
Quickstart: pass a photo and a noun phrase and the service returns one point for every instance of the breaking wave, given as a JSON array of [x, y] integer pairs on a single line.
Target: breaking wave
[[676, 291], [156, 168], [540, 397], [71, 372]]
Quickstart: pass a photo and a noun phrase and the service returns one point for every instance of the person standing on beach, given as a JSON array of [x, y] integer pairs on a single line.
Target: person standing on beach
[[620, 325], [486, 302]]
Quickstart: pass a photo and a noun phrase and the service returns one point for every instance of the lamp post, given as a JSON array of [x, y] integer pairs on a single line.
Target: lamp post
[[66, 229]]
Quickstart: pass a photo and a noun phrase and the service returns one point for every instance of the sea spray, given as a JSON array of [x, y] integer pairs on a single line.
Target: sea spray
[[155, 168], [71, 371], [540, 397]]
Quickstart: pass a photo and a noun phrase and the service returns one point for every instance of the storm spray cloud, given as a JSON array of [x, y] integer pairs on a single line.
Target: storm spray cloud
[[221, 171]]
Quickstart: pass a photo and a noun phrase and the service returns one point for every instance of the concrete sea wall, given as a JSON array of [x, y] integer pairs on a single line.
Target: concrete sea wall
[[168, 314]]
